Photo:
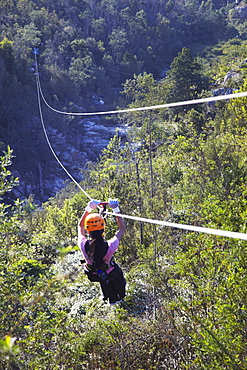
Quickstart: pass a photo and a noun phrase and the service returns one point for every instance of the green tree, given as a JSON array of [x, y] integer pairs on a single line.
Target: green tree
[[185, 78], [7, 182], [81, 71], [25, 39], [6, 54], [118, 42]]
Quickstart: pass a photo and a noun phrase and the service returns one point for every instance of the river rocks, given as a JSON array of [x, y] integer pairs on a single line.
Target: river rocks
[[82, 143]]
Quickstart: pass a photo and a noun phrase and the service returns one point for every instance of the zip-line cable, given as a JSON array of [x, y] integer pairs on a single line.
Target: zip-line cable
[[48, 141], [229, 234], [152, 107]]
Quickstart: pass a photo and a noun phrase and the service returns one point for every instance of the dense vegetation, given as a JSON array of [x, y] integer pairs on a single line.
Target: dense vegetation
[[186, 303], [87, 49]]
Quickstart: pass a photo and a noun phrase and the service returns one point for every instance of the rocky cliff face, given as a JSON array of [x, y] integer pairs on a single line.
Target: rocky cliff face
[[83, 143]]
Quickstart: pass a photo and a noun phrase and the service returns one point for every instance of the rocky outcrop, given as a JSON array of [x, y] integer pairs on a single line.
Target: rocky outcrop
[[83, 143], [240, 12]]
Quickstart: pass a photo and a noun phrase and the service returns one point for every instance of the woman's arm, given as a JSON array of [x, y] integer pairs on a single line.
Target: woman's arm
[[81, 230], [90, 206], [121, 227], [113, 203]]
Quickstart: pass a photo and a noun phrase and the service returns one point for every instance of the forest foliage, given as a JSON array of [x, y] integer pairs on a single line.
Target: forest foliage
[[186, 292], [87, 50]]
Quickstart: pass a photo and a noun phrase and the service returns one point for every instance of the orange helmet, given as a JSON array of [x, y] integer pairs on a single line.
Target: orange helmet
[[94, 221]]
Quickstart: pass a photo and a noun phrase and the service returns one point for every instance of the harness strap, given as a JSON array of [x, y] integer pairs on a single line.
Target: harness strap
[[103, 267]]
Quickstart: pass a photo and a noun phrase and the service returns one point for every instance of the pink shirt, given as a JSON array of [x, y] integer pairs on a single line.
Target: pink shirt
[[113, 244]]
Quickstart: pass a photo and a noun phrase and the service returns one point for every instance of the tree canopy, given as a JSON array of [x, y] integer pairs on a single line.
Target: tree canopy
[[186, 291]]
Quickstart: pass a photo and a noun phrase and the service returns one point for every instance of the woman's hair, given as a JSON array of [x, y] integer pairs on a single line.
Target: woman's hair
[[97, 247]]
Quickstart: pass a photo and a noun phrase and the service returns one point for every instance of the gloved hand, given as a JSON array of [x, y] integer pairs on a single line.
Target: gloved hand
[[113, 203], [92, 204]]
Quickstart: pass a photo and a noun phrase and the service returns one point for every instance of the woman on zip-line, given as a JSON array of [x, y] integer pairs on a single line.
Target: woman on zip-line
[[98, 253]]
